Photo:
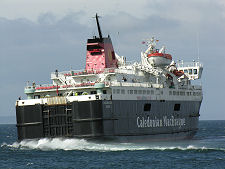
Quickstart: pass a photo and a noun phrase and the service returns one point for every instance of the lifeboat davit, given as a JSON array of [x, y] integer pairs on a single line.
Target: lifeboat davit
[[159, 59]]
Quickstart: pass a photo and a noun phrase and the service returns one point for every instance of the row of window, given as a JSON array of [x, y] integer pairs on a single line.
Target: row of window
[[151, 92], [122, 91], [182, 93], [147, 107], [86, 93], [191, 71]]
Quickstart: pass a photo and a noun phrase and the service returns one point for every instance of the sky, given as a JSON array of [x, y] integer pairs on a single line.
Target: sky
[[39, 36]]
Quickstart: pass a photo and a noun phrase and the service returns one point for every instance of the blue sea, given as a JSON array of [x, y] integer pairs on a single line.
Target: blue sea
[[206, 150]]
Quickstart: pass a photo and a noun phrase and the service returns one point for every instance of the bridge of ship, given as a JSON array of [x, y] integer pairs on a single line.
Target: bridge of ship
[[193, 70]]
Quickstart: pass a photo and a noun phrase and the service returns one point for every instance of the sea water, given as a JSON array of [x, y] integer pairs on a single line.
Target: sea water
[[205, 150]]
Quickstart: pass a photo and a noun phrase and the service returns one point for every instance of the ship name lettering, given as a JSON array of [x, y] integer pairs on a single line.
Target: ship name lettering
[[143, 122]]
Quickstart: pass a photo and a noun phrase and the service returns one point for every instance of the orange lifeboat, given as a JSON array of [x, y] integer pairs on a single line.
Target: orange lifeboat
[[159, 59], [164, 55]]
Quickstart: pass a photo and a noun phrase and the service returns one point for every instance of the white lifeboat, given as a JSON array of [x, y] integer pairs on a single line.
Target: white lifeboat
[[159, 59], [155, 56]]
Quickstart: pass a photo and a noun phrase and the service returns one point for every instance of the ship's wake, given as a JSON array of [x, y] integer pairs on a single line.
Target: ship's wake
[[46, 144]]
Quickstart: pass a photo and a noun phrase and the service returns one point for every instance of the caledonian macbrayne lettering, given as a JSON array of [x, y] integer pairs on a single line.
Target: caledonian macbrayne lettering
[[144, 122]]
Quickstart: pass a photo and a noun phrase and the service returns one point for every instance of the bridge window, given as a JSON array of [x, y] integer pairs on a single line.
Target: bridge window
[[195, 71], [185, 71], [135, 91], [190, 71], [147, 107]]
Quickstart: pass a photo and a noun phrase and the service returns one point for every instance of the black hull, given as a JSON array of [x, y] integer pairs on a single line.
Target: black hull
[[119, 120]]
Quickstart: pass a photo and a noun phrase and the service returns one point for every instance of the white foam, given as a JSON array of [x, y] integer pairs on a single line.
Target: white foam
[[81, 144]]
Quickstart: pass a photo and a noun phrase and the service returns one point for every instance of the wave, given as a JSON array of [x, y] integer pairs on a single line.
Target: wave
[[47, 144]]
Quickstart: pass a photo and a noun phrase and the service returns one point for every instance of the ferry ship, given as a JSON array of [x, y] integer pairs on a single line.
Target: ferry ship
[[112, 99]]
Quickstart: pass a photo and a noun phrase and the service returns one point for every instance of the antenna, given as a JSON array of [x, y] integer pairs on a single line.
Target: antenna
[[198, 45], [99, 29]]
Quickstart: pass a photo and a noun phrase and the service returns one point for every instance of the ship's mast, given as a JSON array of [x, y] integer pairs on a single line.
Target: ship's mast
[[99, 29]]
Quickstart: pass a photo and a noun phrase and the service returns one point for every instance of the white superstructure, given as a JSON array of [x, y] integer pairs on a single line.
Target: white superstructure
[[129, 81]]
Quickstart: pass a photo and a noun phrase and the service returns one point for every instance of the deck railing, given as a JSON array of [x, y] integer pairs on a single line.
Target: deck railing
[[81, 72], [51, 86], [181, 64]]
